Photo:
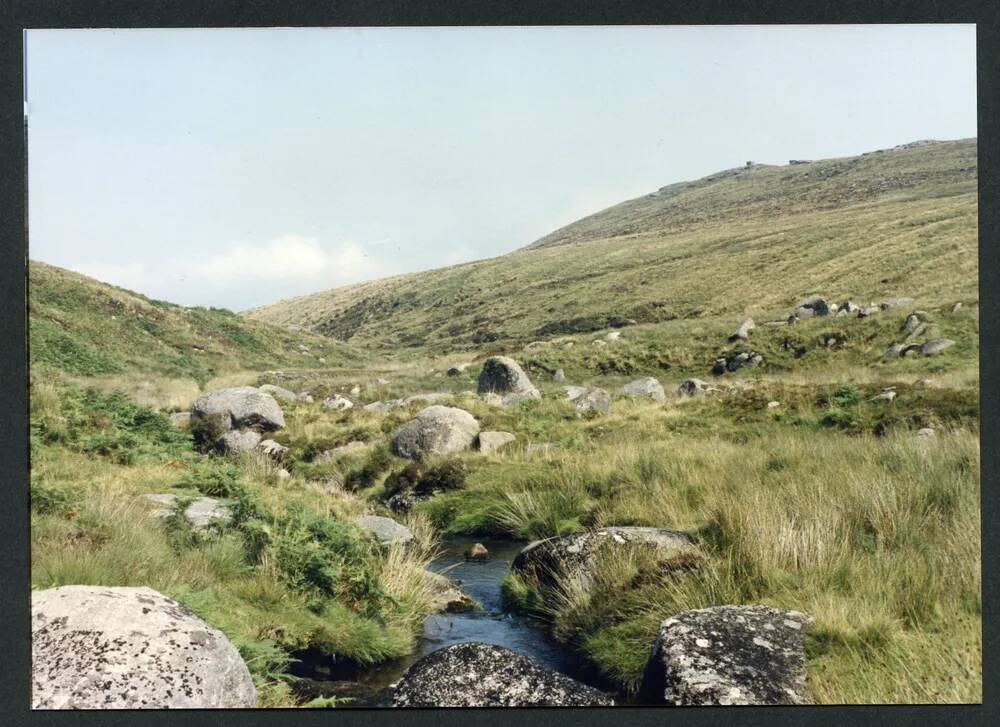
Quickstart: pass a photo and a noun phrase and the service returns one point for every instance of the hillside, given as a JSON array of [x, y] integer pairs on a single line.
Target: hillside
[[82, 327], [748, 240]]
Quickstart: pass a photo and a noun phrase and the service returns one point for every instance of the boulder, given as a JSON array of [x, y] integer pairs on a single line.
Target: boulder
[[243, 407], [236, 441], [355, 390], [695, 387], [546, 560], [384, 407], [284, 474], [728, 655], [386, 530], [504, 376], [593, 401], [180, 419], [935, 347], [599, 343], [649, 388], [894, 351], [278, 392], [916, 333], [101, 647], [773, 404], [201, 513], [559, 376], [435, 430], [846, 308], [337, 402], [473, 674], [490, 442], [574, 392], [743, 332], [272, 449]]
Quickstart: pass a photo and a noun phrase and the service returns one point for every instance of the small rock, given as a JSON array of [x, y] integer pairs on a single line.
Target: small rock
[[284, 474], [382, 382], [236, 441], [923, 383], [887, 395], [355, 390], [593, 401], [648, 387], [272, 449], [956, 308], [935, 347], [338, 452], [490, 442], [613, 336], [695, 387], [304, 396], [477, 552], [743, 332], [773, 404], [386, 530], [925, 432], [200, 513], [559, 376], [337, 402], [599, 343]]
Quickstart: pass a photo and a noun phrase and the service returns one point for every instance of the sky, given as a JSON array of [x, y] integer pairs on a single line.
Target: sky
[[236, 167]]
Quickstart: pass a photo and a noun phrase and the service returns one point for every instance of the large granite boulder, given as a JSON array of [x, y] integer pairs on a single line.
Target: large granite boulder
[[100, 647], [504, 376], [484, 675], [577, 554], [243, 407], [435, 430], [648, 388], [728, 655]]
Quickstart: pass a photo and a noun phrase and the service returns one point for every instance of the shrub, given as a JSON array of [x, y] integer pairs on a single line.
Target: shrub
[[206, 430]]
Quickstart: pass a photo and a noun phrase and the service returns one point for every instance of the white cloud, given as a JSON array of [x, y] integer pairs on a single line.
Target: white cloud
[[125, 275], [289, 258]]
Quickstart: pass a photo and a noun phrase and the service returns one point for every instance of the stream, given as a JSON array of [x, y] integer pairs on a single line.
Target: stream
[[368, 687]]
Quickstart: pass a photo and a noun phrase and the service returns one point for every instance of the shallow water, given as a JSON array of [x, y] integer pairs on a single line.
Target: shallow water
[[481, 580]]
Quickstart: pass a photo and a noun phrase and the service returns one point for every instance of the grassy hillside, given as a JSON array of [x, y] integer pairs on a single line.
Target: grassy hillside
[[87, 329], [755, 241]]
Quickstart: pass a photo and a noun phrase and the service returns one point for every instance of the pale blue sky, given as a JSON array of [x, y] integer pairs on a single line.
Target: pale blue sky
[[237, 167]]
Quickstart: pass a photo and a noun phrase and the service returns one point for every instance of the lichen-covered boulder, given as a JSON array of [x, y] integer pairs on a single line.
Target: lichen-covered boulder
[[100, 647], [728, 655], [243, 407], [504, 376], [386, 530], [435, 430], [648, 388], [484, 675], [546, 560]]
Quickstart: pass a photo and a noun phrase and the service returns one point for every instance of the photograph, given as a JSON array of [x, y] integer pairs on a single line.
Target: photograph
[[614, 366]]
